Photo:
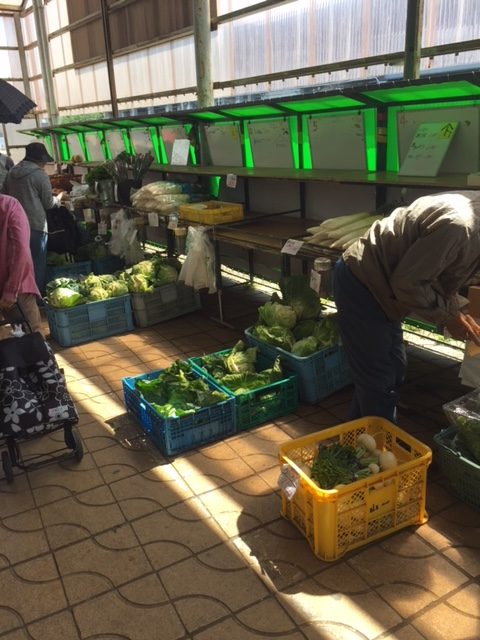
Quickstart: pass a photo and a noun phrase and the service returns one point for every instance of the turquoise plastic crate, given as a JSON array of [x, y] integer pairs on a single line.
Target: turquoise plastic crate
[[259, 405], [319, 375], [166, 302], [462, 474], [91, 321], [110, 264], [175, 435], [69, 270]]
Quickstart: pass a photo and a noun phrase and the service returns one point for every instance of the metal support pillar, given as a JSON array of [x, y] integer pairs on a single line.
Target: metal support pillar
[[203, 58], [46, 67], [413, 40], [108, 54], [21, 53]]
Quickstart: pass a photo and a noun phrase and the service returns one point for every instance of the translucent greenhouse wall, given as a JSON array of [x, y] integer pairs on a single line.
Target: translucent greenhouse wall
[[297, 34]]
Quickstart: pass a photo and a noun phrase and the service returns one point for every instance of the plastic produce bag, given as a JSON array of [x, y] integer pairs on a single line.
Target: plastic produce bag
[[198, 270], [124, 241], [464, 413]]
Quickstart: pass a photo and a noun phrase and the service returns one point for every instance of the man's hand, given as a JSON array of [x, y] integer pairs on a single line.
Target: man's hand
[[6, 305], [464, 327]]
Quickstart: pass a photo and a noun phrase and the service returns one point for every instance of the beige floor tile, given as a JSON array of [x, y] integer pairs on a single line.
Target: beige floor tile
[[97, 435], [145, 493], [405, 632], [82, 390], [259, 620], [231, 590], [19, 634], [120, 462], [21, 537], [114, 616], [242, 506], [311, 604], [406, 572], [66, 479], [32, 589], [16, 497], [79, 517], [456, 619], [278, 554], [259, 447], [182, 529], [60, 626], [100, 408], [217, 466], [99, 563]]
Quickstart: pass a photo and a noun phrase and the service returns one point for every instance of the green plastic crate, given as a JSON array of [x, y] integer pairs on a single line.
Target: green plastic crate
[[462, 474], [259, 405]]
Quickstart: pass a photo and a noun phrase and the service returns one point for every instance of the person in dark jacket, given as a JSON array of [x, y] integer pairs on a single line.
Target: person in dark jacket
[[30, 185], [412, 262]]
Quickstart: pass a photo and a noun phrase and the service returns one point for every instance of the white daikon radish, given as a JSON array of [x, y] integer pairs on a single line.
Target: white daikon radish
[[341, 221], [387, 460]]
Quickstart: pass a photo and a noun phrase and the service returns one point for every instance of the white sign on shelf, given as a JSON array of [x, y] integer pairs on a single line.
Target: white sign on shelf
[[331, 136], [141, 141], [153, 220], [115, 142], [231, 180], [292, 247], [94, 146], [224, 144], [428, 149], [180, 150], [271, 143]]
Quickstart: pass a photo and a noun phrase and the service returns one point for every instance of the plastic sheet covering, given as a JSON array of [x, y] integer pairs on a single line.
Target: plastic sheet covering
[[291, 35]]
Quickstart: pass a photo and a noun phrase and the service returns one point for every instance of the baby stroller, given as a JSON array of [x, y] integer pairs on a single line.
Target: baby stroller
[[33, 399]]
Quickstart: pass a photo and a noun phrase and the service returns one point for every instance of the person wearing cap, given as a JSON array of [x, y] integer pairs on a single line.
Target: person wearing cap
[[411, 263], [17, 279], [30, 185]]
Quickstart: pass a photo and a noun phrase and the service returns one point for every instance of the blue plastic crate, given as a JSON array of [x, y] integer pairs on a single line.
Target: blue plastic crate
[[69, 270], [462, 474], [259, 405], [175, 435], [319, 375], [91, 321], [110, 264]]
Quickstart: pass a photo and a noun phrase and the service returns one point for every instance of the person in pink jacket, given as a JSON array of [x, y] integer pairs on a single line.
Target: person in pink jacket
[[17, 278]]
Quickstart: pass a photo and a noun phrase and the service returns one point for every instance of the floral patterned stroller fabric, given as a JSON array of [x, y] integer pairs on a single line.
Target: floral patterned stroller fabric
[[33, 393]]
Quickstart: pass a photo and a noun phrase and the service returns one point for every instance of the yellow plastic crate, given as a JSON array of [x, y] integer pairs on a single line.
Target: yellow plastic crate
[[339, 520], [211, 212]]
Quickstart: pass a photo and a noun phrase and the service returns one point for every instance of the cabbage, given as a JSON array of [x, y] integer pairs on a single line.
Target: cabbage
[[117, 288], [305, 347], [304, 329], [139, 283], [326, 331], [145, 268], [164, 274], [97, 293], [278, 336], [241, 360], [91, 281], [276, 314], [68, 283], [297, 293], [63, 298]]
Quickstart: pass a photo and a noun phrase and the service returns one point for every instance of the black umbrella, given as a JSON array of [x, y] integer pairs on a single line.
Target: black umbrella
[[13, 103]]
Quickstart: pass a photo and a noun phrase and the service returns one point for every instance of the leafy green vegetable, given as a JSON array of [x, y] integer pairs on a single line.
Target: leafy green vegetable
[[177, 391], [244, 382], [139, 283], [241, 360], [334, 464], [276, 314], [305, 347], [277, 335], [469, 435], [63, 298], [304, 329], [97, 293], [326, 331], [68, 283], [117, 288], [92, 251], [56, 259], [163, 274], [297, 293]]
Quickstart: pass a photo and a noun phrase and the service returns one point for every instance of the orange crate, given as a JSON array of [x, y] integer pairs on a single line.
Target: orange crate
[[338, 520]]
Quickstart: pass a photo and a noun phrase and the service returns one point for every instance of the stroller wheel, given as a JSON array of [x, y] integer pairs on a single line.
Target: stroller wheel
[[13, 451], [73, 441], [7, 467]]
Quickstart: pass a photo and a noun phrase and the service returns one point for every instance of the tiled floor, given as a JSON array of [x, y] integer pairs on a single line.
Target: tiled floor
[[129, 545]]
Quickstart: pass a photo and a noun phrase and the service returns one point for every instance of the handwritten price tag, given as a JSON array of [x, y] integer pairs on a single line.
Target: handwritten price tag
[[153, 219], [292, 247], [231, 180], [315, 280]]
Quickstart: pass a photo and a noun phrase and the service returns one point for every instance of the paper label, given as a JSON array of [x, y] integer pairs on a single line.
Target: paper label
[[288, 481], [231, 180], [172, 222], [292, 246], [315, 280], [88, 215], [180, 151], [102, 228], [153, 219]]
